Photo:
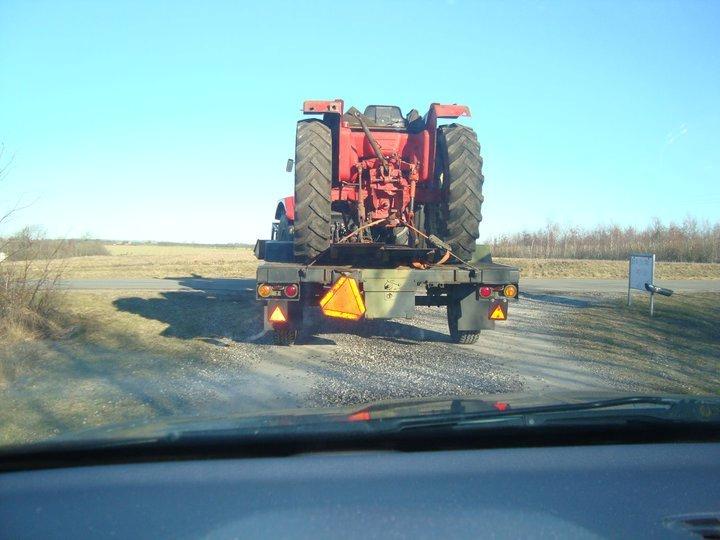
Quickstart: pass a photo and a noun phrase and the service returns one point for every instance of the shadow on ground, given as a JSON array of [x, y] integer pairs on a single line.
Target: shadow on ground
[[217, 310], [211, 310], [559, 300]]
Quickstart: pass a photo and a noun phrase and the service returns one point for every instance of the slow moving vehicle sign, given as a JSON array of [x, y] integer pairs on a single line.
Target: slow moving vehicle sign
[[498, 310]]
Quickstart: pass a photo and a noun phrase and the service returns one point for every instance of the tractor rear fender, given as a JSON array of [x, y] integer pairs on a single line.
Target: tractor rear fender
[[335, 106], [286, 206], [438, 110]]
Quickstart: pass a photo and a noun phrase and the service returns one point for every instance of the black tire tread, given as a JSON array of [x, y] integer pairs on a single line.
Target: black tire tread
[[465, 337], [313, 184], [284, 335], [461, 166]]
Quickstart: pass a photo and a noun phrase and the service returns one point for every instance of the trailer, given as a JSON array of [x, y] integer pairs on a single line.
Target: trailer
[[384, 217], [379, 281]]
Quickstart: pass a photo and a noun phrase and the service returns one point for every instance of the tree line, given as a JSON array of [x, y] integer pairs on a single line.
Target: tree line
[[688, 241]]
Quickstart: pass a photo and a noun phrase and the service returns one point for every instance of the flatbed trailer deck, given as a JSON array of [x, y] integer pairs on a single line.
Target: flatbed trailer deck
[[476, 296]]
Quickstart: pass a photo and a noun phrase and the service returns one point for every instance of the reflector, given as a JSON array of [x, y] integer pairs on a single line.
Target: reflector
[[498, 313], [343, 300], [291, 290], [277, 315], [264, 290], [510, 290]]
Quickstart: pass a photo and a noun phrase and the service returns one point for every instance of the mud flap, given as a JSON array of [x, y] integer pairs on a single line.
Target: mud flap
[[470, 311], [291, 311]]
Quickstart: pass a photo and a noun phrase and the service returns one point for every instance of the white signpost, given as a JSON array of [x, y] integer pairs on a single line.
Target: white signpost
[[642, 272]]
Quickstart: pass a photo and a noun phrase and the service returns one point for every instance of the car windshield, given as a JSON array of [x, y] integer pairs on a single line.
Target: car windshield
[[200, 228]]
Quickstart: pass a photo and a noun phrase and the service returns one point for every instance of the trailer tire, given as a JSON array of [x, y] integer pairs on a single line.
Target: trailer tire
[[313, 183], [465, 337], [459, 163], [285, 335]]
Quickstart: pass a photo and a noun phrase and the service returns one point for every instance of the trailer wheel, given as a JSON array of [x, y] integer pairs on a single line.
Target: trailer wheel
[[460, 166], [463, 337], [313, 183], [285, 335]]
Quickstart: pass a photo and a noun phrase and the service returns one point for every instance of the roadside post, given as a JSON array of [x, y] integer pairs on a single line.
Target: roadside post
[[641, 277]]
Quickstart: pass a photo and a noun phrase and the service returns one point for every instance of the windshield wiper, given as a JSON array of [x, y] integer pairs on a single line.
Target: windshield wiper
[[488, 414]]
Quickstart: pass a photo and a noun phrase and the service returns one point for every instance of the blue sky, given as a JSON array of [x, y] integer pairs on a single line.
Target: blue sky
[[173, 120]]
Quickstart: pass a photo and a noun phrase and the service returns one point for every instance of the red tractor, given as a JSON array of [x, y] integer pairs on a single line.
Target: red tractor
[[381, 177]]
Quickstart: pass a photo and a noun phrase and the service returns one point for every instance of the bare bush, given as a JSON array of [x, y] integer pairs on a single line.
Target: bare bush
[[28, 289], [689, 241]]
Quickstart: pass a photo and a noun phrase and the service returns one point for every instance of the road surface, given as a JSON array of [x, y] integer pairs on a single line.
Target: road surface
[[569, 285]]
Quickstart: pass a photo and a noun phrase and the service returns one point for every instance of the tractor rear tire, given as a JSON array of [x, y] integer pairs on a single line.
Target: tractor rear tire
[[312, 229], [459, 162]]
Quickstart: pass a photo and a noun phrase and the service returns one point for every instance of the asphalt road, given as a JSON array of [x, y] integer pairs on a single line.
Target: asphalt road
[[220, 285]]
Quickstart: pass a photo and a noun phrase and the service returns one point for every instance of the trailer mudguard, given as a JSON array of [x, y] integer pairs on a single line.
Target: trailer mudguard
[[471, 311]]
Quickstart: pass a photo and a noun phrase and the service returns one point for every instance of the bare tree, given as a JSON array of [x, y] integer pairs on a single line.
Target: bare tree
[[28, 283], [689, 241]]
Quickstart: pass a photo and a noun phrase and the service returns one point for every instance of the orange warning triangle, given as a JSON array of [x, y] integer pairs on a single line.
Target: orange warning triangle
[[277, 315], [498, 313], [343, 300]]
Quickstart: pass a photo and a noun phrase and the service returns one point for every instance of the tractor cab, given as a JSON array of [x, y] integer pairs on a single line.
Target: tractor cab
[[385, 118], [385, 115], [377, 117]]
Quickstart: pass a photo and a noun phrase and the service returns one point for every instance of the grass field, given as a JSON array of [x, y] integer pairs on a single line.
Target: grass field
[[678, 350], [152, 261], [599, 269]]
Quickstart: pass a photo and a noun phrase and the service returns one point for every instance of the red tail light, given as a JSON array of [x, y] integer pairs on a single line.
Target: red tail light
[[291, 291], [485, 292]]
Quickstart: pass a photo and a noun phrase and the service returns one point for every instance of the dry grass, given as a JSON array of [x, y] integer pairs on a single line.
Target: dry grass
[[149, 261], [599, 269], [678, 350], [152, 261], [132, 356]]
